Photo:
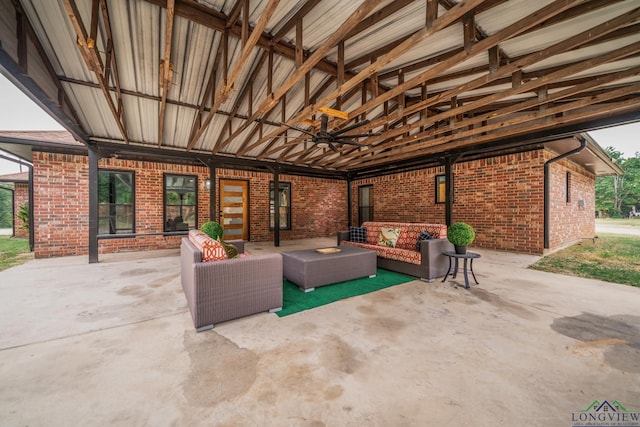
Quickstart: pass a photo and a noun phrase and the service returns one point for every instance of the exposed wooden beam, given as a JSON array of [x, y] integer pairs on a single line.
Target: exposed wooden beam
[[94, 63], [575, 112], [442, 22], [257, 67], [166, 69], [291, 23], [530, 86], [224, 91], [480, 47], [332, 40]]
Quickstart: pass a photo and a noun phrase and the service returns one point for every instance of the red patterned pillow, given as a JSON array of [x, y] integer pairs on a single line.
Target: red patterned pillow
[[211, 249]]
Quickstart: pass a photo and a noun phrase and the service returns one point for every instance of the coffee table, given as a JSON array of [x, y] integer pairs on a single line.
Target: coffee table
[[309, 269]]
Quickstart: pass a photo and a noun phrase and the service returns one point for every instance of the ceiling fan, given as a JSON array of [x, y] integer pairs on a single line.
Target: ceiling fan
[[326, 139]]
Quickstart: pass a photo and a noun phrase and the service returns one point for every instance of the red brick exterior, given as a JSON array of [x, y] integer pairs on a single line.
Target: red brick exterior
[[318, 206], [61, 201], [573, 220], [20, 196], [403, 197], [501, 197]]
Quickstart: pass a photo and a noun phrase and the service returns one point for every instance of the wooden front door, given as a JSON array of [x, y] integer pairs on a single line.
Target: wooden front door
[[234, 209]]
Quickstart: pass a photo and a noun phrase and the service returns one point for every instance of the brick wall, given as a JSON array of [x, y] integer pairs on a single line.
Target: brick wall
[[62, 204], [61, 199], [318, 206], [405, 197], [20, 196], [501, 197], [573, 220]]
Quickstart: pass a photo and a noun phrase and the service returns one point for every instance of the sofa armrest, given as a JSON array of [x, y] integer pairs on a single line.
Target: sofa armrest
[[433, 260], [343, 236]]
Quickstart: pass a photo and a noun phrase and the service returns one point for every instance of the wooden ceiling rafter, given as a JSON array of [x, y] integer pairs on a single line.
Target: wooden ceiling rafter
[[93, 61], [529, 86], [530, 118], [441, 22], [224, 91], [480, 47], [209, 92], [532, 122], [24, 30], [272, 99], [166, 68], [475, 118], [527, 106], [242, 96]]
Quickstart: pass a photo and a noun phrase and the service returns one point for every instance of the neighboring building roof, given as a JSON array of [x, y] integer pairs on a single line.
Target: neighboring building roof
[[49, 136], [20, 142], [593, 157], [20, 177]]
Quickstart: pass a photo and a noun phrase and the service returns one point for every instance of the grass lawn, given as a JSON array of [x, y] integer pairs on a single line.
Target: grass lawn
[[612, 258], [625, 222], [13, 251]]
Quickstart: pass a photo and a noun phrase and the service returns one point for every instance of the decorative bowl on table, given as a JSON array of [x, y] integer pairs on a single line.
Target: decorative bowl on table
[[328, 250]]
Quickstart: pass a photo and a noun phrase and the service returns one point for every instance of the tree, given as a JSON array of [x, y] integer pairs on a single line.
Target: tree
[[617, 194], [6, 208], [23, 214]]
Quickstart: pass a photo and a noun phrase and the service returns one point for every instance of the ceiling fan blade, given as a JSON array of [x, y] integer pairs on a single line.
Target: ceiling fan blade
[[352, 127], [351, 143], [333, 148], [362, 135], [298, 129]]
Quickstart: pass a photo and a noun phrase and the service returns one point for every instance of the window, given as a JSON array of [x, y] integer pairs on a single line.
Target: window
[[115, 202], [441, 189], [568, 187], [180, 202], [284, 197], [365, 203]]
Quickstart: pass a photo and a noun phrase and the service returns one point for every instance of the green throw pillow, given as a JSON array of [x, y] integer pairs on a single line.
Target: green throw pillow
[[232, 251]]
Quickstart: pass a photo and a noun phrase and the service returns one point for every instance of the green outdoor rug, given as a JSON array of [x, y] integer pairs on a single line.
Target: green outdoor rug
[[296, 300]]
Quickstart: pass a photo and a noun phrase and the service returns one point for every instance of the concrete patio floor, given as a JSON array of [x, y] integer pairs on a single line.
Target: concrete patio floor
[[113, 344]]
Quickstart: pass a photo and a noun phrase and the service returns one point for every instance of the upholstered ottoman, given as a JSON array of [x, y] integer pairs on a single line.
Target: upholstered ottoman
[[309, 268]]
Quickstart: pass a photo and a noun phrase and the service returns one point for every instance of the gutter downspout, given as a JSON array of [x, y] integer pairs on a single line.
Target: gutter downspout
[[547, 186]]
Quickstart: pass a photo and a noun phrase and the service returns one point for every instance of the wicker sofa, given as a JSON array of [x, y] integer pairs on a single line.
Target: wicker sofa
[[426, 264], [217, 291]]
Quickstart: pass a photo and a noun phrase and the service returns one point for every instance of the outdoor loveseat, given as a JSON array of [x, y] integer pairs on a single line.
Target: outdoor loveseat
[[217, 291], [427, 263]]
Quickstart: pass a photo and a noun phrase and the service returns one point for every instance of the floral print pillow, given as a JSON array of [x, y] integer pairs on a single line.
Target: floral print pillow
[[388, 237]]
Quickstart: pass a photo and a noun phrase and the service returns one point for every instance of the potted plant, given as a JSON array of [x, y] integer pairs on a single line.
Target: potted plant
[[212, 229], [215, 231], [460, 234]]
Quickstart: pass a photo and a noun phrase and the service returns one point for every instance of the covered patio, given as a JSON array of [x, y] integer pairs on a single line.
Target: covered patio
[[524, 347]]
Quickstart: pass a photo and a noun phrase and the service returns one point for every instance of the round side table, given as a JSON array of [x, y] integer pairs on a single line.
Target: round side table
[[466, 256]]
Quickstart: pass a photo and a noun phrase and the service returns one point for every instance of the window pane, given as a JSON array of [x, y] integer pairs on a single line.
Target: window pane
[[284, 200], [116, 207], [180, 212]]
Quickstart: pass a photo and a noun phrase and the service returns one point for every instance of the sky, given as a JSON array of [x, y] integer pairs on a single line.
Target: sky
[[18, 112]]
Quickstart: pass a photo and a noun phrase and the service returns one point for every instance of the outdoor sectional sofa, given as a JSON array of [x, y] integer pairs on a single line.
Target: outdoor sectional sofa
[[217, 291], [427, 263]]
